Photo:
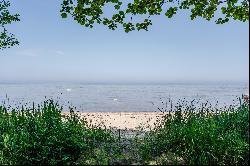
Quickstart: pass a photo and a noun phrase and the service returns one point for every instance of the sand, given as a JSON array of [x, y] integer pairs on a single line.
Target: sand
[[121, 120]]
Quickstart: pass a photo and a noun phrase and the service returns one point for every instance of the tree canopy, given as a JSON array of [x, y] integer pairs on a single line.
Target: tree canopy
[[89, 12], [6, 39]]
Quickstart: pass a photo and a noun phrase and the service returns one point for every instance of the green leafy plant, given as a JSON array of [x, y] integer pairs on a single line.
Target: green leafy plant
[[201, 135], [186, 134], [41, 136], [88, 13], [7, 40]]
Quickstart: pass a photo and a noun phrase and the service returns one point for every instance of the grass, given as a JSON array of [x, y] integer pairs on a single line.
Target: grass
[[41, 136], [191, 135], [201, 136]]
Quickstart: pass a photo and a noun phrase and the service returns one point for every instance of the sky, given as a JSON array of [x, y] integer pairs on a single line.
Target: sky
[[173, 50]]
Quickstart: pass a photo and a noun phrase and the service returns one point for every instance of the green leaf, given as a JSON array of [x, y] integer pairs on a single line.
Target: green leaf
[[117, 7], [64, 15], [223, 10]]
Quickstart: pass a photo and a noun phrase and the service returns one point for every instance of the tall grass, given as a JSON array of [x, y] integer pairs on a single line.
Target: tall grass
[[41, 136], [201, 136], [187, 134]]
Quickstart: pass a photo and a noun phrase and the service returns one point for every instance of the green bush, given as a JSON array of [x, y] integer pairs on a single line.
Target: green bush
[[201, 135], [41, 136], [186, 135]]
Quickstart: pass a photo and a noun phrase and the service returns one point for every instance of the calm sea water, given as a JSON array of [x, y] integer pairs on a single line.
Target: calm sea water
[[117, 98]]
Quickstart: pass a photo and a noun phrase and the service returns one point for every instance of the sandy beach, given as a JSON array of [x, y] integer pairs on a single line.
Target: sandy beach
[[121, 120]]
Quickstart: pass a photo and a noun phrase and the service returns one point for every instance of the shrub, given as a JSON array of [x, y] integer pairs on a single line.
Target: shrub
[[201, 135], [186, 135], [41, 136]]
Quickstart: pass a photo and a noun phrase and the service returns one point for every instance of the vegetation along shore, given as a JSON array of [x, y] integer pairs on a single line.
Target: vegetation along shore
[[182, 134]]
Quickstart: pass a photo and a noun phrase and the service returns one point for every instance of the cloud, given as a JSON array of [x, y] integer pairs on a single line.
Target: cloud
[[35, 52]]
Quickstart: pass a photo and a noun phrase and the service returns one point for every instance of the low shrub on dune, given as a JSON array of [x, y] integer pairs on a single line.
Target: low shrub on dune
[[41, 136], [201, 135]]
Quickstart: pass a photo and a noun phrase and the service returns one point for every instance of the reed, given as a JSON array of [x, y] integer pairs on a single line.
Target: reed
[[200, 135], [41, 136], [187, 134]]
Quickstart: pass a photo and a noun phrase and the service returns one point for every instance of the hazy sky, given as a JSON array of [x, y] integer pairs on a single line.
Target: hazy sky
[[177, 49]]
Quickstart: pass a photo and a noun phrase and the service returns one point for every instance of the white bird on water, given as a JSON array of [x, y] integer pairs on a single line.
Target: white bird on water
[[68, 90], [115, 99]]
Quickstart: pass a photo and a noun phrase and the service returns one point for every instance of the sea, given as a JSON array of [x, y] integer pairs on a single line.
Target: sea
[[98, 97]]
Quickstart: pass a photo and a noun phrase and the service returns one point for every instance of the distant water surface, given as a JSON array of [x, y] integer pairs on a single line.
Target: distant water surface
[[117, 97]]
